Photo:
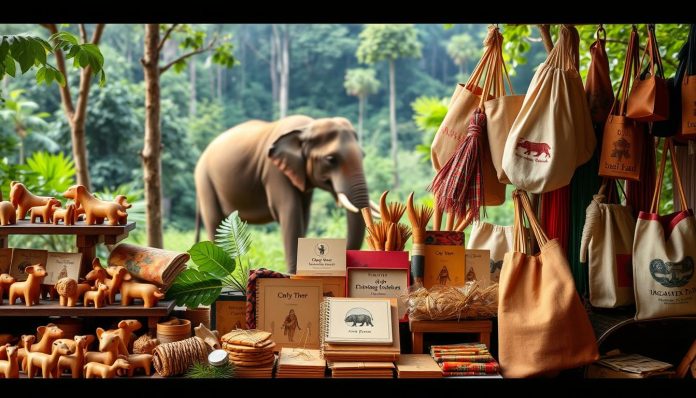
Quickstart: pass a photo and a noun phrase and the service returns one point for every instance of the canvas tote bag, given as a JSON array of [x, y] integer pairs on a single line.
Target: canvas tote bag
[[542, 325], [623, 138], [454, 128], [606, 247], [552, 134], [649, 98], [496, 238], [664, 253]]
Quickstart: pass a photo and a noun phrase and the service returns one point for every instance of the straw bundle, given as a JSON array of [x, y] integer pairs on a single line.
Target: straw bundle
[[173, 359], [388, 234], [442, 303]]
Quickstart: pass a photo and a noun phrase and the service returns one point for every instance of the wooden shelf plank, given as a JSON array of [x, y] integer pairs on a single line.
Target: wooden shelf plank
[[24, 227], [52, 308]]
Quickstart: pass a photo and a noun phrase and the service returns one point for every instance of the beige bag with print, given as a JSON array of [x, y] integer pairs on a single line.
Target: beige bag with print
[[664, 250], [606, 247], [496, 238]]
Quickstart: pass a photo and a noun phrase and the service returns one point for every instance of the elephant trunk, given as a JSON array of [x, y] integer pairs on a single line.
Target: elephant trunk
[[356, 190]]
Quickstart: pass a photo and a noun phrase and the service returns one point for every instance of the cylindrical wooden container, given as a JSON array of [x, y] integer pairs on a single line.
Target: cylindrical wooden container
[[197, 316], [173, 330]]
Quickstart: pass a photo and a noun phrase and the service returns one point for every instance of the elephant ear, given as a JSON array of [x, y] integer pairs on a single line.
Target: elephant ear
[[286, 154]]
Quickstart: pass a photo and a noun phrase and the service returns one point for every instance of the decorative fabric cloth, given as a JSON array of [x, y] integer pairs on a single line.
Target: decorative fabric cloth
[[251, 292]]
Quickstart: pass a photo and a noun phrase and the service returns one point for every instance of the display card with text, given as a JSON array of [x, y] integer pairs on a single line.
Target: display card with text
[[444, 265], [379, 283], [358, 321], [22, 258], [62, 265], [478, 267], [318, 256]]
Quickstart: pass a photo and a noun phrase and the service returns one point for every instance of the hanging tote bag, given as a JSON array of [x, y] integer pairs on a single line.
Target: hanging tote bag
[[468, 179], [552, 134], [623, 138], [542, 325], [688, 88], [495, 238], [606, 247], [664, 252], [649, 98], [600, 96]]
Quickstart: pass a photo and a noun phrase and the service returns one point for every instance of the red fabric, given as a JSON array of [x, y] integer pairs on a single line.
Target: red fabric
[[555, 215], [668, 221], [458, 185], [639, 194]]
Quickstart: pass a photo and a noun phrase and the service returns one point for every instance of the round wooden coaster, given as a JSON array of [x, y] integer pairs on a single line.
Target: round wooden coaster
[[240, 348], [245, 357], [254, 364]]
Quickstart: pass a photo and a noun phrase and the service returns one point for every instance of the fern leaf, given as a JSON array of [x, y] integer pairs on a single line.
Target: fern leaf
[[233, 236]]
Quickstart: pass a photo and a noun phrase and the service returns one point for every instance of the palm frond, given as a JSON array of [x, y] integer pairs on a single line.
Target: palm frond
[[233, 236]]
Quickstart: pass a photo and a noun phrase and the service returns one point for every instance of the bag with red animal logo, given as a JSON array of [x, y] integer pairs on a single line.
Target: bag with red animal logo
[[552, 135], [664, 252], [624, 138]]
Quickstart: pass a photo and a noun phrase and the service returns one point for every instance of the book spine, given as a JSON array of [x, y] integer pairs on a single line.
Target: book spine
[[323, 325]]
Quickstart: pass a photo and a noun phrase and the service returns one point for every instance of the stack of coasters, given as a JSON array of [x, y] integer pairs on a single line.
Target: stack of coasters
[[362, 370], [298, 363], [251, 351], [467, 359], [417, 366]]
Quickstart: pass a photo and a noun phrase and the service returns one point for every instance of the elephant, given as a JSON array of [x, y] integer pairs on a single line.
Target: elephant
[[362, 319], [268, 172]]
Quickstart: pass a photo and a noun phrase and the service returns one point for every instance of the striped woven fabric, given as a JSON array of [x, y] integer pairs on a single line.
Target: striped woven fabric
[[465, 358], [451, 374], [484, 368], [251, 292]]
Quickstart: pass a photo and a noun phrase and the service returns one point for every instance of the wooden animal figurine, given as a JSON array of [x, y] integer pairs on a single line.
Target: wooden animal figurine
[[29, 291], [118, 275], [8, 213], [45, 212], [121, 200], [66, 215], [149, 293], [108, 347], [145, 345], [23, 200], [96, 370], [140, 361], [80, 213], [25, 342], [5, 281], [98, 297], [95, 208], [125, 332], [9, 368], [70, 291], [75, 361], [48, 363]]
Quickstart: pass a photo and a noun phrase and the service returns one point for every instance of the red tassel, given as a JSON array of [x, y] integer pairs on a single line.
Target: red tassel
[[458, 185]]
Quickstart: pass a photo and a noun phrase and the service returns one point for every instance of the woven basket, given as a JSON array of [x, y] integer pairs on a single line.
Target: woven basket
[[173, 330]]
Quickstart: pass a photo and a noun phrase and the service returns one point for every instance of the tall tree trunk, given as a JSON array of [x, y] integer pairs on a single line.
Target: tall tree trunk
[[361, 109], [274, 66], [192, 88], [153, 139], [284, 72], [392, 124]]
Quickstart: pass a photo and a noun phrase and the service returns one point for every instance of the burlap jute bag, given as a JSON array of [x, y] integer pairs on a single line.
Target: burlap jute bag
[[664, 249], [496, 238], [553, 133], [606, 247], [542, 325]]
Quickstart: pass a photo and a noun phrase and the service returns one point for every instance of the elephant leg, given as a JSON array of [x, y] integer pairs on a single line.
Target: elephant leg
[[208, 204], [291, 218]]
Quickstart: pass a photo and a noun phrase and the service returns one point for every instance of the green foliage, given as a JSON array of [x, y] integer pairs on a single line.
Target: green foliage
[[361, 82], [463, 50], [212, 259], [192, 39], [388, 42], [56, 173], [28, 51], [428, 114], [25, 120], [207, 371], [233, 236], [83, 56], [208, 123], [193, 288]]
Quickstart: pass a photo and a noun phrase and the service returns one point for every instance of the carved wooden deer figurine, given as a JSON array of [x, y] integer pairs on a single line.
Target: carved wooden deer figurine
[[5, 281], [95, 208], [66, 215], [125, 331], [98, 297], [23, 200], [75, 361], [8, 213], [108, 347], [149, 293], [140, 361], [99, 274], [45, 212], [30, 290], [48, 363], [9, 368], [95, 370]]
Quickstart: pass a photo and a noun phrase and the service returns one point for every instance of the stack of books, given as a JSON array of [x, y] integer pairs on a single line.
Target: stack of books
[[629, 366], [299, 363], [417, 366], [251, 352], [360, 330], [362, 370], [467, 359]]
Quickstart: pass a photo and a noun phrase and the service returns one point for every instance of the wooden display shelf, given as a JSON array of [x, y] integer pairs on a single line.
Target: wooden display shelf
[[86, 236], [52, 308], [418, 328]]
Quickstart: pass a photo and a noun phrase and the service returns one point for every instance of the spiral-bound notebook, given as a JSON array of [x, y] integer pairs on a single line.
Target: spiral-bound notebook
[[357, 321]]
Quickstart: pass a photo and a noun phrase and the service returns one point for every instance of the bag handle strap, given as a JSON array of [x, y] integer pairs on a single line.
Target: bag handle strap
[[524, 208], [629, 64], [668, 146]]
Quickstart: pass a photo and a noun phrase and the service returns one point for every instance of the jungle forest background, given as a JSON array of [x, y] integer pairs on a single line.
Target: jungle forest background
[[233, 73]]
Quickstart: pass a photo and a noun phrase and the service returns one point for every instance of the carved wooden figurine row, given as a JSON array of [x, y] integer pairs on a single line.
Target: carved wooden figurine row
[[106, 283], [54, 356], [48, 209]]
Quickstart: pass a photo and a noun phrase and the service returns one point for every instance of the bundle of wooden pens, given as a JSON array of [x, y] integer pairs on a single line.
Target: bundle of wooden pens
[[467, 359], [388, 234]]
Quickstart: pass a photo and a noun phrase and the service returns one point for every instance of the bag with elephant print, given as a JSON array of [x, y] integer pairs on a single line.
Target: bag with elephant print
[[495, 238], [553, 134], [664, 250]]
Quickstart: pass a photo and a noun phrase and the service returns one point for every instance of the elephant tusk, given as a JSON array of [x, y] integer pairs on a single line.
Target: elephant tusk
[[343, 200], [374, 206], [375, 214]]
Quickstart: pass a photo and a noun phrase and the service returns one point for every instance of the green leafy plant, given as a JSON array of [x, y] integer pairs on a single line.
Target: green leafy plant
[[207, 371], [83, 55], [215, 265]]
